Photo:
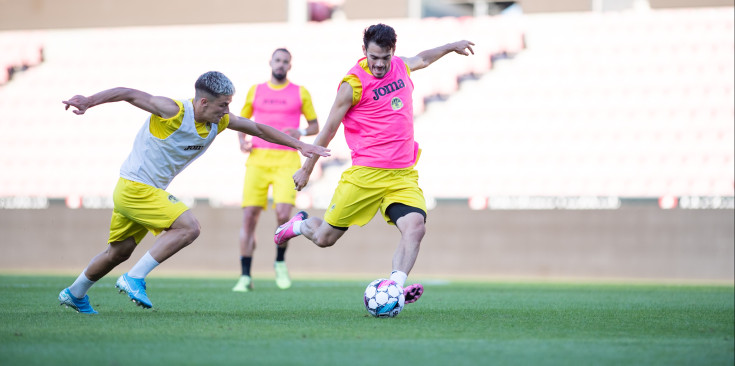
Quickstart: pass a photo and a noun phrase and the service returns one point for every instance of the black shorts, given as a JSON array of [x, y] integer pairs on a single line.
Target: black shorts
[[395, 211]]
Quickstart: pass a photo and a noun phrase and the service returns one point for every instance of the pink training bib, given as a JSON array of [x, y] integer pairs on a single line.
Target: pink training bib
[[379, 128], [276, 108]]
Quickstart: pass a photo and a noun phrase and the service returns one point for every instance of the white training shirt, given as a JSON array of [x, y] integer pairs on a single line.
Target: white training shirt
[[155, 161]]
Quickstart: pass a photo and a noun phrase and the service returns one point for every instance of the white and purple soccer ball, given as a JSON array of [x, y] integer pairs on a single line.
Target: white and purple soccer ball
[[384, 298]]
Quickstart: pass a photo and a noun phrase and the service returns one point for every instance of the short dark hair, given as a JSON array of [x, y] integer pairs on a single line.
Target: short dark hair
[[281, 49], [382, 35], [215, 84]]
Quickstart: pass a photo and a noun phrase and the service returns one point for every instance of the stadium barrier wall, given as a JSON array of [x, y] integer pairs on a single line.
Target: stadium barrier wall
[[634, 242]]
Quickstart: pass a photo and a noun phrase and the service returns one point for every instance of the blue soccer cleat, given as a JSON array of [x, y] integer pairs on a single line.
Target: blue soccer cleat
[[80, 305], [135, 288]]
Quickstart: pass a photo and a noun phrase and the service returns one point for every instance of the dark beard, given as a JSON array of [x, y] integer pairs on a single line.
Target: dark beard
[[279, 77]]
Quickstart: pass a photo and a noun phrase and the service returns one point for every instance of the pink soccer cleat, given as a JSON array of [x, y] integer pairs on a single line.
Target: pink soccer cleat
[[413, 292], [285, 231]]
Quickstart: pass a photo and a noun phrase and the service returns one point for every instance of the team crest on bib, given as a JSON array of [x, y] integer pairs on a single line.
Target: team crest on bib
[[396, 103]]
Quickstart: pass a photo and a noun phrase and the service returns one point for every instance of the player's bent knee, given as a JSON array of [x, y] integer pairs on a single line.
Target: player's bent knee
[[120, 257], [184, 232], [193, 232], [189, 231], [412, 226], [119, 252], [418, 231], [328, 235], [324, 242]]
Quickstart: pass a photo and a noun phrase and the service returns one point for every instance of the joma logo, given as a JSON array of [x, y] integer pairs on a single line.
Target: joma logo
[[390, 88], [274, 101], [193, 147]]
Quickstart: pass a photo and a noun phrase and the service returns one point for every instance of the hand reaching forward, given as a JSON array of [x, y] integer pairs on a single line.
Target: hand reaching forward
[[80, 102], [462, 47], [310, 150]]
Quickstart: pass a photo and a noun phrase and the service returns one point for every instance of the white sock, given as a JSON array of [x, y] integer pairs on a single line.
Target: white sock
[[297, 227], [399, 277], [80, 286], [144, 266]]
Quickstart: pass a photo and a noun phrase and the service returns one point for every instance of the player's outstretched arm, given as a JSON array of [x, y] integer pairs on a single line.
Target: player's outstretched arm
[[426, 58], [341, 105], [271, 134], [161, 106]]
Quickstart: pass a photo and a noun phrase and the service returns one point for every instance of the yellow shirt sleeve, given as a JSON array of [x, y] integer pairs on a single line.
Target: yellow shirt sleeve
[[356, 85], [223, 123], [307, 107], [163, 127], [247, 109]]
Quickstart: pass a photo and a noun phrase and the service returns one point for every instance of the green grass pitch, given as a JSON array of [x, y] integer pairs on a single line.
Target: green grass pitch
[[201, 322]]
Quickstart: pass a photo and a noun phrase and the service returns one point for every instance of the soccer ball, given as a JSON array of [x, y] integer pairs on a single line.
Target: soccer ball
[[384, 298]]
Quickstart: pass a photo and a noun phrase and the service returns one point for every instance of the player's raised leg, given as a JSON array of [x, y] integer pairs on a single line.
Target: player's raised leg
[[283, 281], [313, 228], [291, 229]]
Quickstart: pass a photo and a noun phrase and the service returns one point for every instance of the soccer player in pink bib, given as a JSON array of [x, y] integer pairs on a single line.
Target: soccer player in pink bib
[[375, 105], [278, 103]]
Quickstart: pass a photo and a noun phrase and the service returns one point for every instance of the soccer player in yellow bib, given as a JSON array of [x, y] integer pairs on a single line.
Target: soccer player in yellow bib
[[175, 134], [374, 105], [278, 103]]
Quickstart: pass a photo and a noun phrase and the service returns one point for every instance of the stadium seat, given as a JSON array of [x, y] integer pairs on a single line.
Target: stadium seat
[[621, 104]]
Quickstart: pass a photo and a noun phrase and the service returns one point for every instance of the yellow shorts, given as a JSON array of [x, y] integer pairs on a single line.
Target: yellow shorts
[[363, 190], [266, 167], [140, 208]]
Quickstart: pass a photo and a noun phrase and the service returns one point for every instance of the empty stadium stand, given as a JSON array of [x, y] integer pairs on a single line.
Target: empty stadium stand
[[623, 104], [18, 52], [615, 104]]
